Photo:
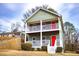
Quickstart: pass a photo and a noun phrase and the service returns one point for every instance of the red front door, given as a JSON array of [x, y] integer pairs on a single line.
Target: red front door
[[53, 40]]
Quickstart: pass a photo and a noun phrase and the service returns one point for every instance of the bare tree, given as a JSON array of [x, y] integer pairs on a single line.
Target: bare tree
[[69, 30], [12, 27], [15, 27]]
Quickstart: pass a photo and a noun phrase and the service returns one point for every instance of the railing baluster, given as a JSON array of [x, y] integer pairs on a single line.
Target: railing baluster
[[44, 27]]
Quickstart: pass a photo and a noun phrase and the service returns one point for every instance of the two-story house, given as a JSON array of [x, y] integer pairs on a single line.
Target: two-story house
[[44, 28]]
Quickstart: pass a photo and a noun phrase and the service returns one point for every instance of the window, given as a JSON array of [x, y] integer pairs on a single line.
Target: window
[[33, 38], [27, 39], [44, 37]]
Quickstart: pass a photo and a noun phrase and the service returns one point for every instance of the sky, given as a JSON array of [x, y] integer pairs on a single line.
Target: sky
[[13, 12]]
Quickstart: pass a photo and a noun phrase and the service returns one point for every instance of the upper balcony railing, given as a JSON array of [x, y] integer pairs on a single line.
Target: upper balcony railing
[[44, 27], [50, 26], [34, 28]]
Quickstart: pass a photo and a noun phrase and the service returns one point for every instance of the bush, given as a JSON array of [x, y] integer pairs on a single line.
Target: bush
[[26, 46], [66, 47], [32, 49], [44, 48], [70, 47], [38, 49], [59, 49], [77, 51]]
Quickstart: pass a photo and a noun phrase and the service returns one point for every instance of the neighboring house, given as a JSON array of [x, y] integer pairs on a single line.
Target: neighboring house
[[10, 34], [44, 28], [14, 34]]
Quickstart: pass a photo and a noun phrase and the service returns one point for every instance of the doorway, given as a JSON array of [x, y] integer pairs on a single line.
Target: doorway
[[53, 39]]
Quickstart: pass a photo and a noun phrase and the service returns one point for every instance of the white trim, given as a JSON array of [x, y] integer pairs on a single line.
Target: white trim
[[25, 38], [60, 33], [31, 15], [41, 32], [49, 11]]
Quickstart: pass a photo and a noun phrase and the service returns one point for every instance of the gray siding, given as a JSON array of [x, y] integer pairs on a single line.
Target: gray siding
[[42, 15]]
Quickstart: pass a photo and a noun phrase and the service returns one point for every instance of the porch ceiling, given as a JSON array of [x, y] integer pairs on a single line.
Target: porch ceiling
[[45, 32], [46, 20]]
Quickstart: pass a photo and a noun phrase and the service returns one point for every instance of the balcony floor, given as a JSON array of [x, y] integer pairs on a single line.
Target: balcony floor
[[51, 30]]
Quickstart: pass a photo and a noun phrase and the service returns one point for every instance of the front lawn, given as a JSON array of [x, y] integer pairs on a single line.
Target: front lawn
[[32, 53]]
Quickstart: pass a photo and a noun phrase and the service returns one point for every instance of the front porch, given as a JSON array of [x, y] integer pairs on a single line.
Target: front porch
[[35, 38]]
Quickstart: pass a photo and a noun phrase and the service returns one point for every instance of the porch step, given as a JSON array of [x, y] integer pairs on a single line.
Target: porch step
[[51, 49]]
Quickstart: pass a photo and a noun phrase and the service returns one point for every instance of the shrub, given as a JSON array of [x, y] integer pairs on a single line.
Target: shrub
[[32, 49], [59, 49], [77, 51], [26, 46], [70, 47], [44, 48], [66, 47], [38, 49]]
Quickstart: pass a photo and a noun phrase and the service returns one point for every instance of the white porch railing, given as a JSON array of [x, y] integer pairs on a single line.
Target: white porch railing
[[49, 26], [37, 42], [34, 28], [44, 27], [45, 42]]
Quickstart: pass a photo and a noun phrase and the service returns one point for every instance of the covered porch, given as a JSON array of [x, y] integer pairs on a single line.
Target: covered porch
[[37, 42]]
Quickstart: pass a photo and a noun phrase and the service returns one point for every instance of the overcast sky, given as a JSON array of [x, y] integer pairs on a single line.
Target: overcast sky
[[11, 13]]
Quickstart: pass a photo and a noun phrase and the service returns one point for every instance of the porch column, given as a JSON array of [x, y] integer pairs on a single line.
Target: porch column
[[25, 38], [25, 30], [60, 32], [40, 32]]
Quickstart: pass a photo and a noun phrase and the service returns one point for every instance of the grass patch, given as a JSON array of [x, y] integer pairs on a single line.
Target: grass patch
[[33, 53]]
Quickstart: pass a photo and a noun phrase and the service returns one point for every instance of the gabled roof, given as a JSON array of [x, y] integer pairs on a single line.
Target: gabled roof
[[38, 11]]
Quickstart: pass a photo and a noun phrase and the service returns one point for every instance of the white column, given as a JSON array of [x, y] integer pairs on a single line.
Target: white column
[[41, 32], [25, 30], [60, 32], [20, 34], [25, 38]]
